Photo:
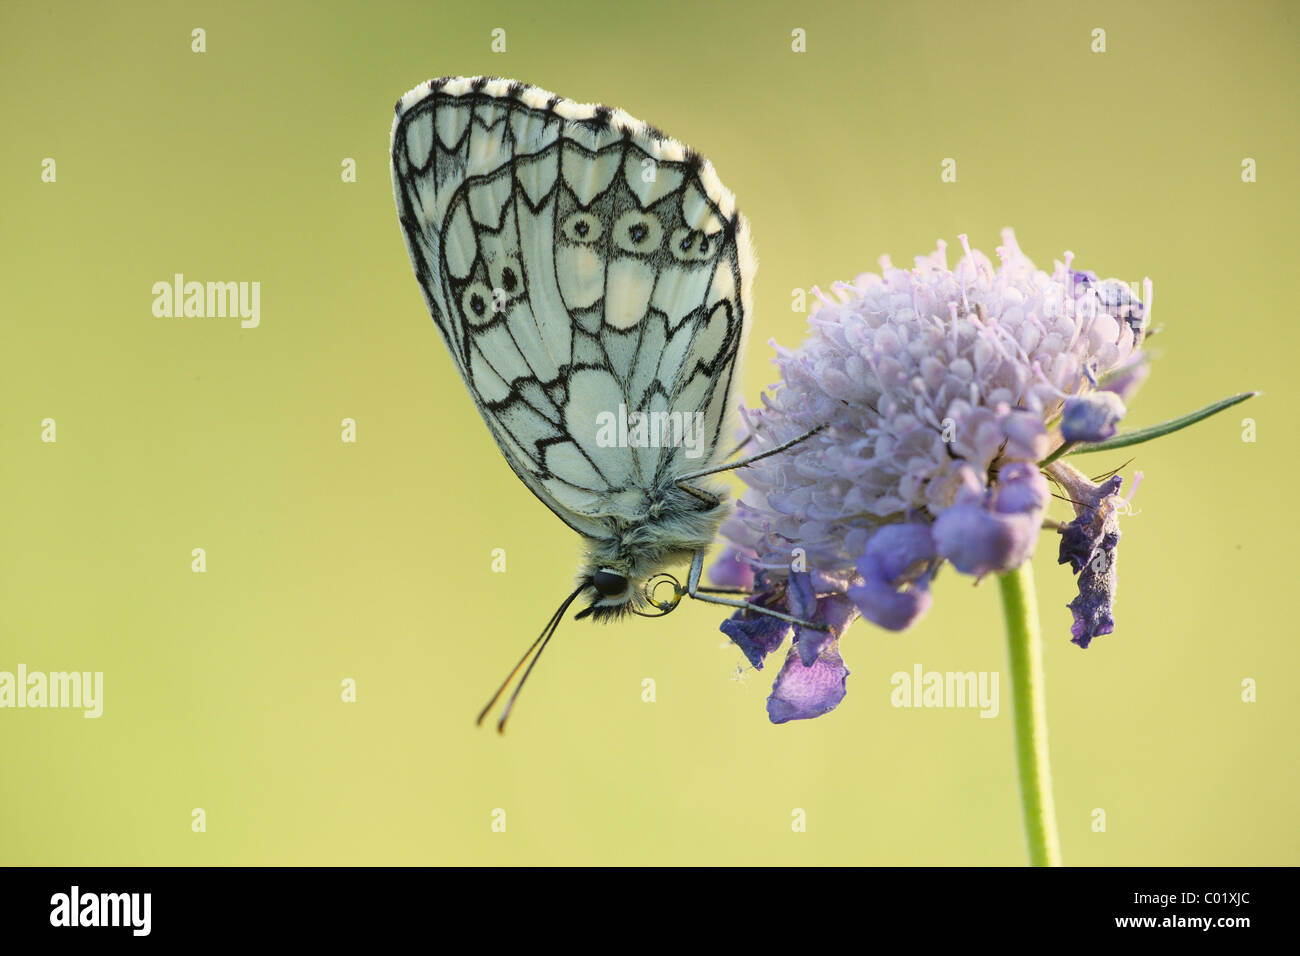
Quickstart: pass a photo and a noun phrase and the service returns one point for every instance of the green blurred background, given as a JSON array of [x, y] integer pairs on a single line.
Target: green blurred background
[[371, 561]]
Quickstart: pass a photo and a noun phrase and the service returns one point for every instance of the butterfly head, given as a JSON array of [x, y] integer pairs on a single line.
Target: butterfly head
[[617, 593]]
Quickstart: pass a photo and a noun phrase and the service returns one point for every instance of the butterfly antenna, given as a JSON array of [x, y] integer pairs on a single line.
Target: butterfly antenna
[[543, 639], [511, 676], [741, 463], [1113, 471]]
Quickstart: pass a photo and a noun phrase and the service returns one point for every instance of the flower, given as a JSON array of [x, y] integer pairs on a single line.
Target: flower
[[938, 391]]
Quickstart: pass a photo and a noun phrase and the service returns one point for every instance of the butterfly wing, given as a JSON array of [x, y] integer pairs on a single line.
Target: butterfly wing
[[579, 265]]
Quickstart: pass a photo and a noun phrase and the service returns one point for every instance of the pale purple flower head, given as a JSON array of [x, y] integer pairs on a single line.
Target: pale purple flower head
[[940, 389]]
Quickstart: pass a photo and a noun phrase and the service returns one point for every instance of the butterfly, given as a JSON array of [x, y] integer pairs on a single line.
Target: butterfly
[[592, 280]]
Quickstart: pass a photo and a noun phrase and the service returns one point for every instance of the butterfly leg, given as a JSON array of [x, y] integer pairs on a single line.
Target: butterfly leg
[[710, 499], [700, 594], [708, 595]]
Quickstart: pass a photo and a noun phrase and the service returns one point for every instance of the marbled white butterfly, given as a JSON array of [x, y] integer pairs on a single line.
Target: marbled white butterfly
[[591, 278]]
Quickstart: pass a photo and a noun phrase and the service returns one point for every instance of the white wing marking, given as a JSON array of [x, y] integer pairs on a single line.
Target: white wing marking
[[491, 387], [620, 351], [653, 338], [451, 122], [698, 213], [536, 177], [419, 142], [569, 464], [587, 351], [630, 281], [536, 237], [662, 179], [487, 200], [460, 247], [588, 178], [581, 271], [502, 352], [523, 329], [648, 456], [592, 393], [536, 396], [680, 291]]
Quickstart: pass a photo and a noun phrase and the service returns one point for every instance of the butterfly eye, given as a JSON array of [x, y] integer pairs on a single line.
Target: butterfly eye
[[609, 583], [507, 276], [638, 232], [582, 227], [478, 304]]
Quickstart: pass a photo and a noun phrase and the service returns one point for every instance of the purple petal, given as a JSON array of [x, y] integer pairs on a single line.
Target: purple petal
[[897, 547], [802, 692], [1022, 489], [731, 570], [757, 635], [1125, 381], [889, 557], [801, 598], [1092, 417], [1026, 435], [980, 542], [889, 608], [837, 612], [993, 531]]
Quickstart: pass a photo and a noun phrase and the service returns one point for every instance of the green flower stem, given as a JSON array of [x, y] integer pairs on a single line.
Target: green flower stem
[[1025, 643]]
